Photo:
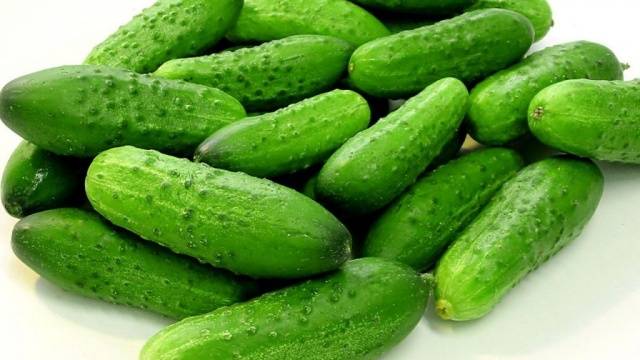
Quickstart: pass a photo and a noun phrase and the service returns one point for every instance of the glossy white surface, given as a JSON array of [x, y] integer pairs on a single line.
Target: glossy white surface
[[583, 304]]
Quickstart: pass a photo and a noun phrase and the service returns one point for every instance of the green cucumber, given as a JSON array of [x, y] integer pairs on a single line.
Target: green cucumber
[[468, 47], [35, 180], [271, 75], [356, 313], [83, 254], [309, 187], [168, 30], [499, 104], [264, 20], [377, 164], [231, 220], [532, 217], [450, 150], [85, 109], [429, 7], [537, 11], [419, 226], [596, 119], [290, 139]]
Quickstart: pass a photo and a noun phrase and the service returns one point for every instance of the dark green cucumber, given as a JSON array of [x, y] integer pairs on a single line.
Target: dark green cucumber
[[82, 110], [35, 180], [377, 164], [450, 150], [596, 119], [271, 75], [498, 111], [468, 47], [80, 252], [264, 20], [168, 30], [537, 11], [309, 188], [419, 226], [231, 220], [290, 139], [532, 217], [356, 313], [429, 7], [399, 24]]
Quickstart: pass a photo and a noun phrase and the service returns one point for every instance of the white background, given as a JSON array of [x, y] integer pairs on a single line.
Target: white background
[[583, 304]]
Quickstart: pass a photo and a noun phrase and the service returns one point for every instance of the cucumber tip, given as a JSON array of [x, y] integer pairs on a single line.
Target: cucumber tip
[[443, 309]]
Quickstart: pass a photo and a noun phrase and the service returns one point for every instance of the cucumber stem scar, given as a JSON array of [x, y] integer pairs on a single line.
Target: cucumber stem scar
[[443, 308], [538, 113]]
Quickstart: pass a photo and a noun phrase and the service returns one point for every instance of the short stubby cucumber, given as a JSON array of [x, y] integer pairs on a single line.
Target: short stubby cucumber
[[377, 164], [356, 313], [290, 139], [595, 119], [537, 11], [85, 109], [428, 7], [420, 225], [533, 216], [168, 30], [231, 220], [35, 180], [271, 75], [80, 252], [498, 110], [468, 47], [264, 20]]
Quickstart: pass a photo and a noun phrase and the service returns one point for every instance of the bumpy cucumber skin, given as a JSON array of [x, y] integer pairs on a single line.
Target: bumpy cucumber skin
[[356, 313], [167, 30], [468, 47], [537, 11], [85, 109], [35, 180], [290, 139], [269, 76], [418, 227], [377, 164], [80, 252], [429, 7], [265, 20], [499, 104], [532, 217], [595, 119], [231, 220]]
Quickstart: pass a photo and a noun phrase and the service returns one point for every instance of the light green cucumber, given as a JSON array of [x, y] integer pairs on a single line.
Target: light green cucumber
[[356, 313], [595, 119], [377, 164], [537, 11], [532, 217], [290, 139]]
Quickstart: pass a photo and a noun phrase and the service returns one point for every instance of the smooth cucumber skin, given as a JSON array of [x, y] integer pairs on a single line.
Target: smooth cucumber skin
[[499, 104], [533, 216], [290, 139], [421, 223], [537, 11], [595, 119], [83, 254], [169, 29], [265, 20], [355, 313], [85, 109], [35, 180], [377, 164], [429, 7], [231, 220], [467, 47]]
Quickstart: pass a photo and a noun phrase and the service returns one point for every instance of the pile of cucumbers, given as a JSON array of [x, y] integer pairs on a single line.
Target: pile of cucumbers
[[236, 165]]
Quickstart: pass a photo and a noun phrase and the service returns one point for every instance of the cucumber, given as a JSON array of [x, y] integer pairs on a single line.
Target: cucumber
[[537, 11], [264, 20], [498, 111], [83, 254], [290, 139], [429, 7], [85, 109], [168, 30], [596, 119], [450, 150], [399, 24], [377, 164], [309, 188], [419, 226], [35, 180], [356, 313], [468, 47], [532, 217], [231, 220]]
